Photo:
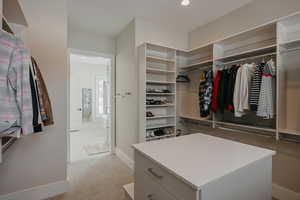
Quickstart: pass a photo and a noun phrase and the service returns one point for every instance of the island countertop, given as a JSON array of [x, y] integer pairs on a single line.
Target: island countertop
[[199, 159]]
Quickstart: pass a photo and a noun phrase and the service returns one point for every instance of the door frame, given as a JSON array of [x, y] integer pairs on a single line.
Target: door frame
[[112, 99]]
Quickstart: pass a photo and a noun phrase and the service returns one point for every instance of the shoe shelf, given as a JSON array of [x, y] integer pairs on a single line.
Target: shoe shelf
[[157, 72], [160, 126], [159, 106], [161, 117], [160, 137], [160, 94]]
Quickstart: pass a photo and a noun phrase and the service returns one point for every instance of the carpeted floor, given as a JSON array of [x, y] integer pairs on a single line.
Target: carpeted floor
[[99, 179]]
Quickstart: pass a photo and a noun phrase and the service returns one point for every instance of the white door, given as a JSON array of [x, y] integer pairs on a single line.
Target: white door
[[75, 103]]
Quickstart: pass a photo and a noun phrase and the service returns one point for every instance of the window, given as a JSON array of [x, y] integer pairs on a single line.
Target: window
[[100, 97]]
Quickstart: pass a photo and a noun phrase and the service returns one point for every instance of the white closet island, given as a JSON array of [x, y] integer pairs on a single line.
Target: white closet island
[[202, 167]]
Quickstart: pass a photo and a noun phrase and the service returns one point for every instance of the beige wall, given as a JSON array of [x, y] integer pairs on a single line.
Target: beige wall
[[256, 13], [40, 159], [90, 42], [147, 31]]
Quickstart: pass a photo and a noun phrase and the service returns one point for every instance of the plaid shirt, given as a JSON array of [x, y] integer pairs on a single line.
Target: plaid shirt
[[15, 92]]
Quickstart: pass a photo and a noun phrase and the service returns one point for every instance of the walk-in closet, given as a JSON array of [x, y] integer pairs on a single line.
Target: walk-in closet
[[209, 85]]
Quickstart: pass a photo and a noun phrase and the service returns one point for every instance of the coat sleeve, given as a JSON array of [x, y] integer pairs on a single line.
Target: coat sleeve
[[19, 79]]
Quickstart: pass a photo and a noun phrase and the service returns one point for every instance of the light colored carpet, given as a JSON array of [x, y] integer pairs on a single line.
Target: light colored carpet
[[98, 179], [95, 149]]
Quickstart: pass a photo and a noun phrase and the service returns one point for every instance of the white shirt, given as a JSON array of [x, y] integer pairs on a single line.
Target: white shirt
[[242, 89]]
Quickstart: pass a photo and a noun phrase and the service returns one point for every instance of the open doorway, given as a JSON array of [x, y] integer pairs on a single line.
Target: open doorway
[[90, 110]]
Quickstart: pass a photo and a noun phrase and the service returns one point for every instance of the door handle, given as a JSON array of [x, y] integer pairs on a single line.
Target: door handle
[[79, 109]]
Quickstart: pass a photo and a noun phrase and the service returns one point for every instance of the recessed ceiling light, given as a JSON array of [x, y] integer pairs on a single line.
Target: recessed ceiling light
[[185, 2]]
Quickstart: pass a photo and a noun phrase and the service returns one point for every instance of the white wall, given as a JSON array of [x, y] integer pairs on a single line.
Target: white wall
[[256, 13], [40, 159], [90, 42], [147, 31]]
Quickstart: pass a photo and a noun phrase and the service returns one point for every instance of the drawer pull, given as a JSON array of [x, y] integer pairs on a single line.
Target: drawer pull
[[150, 197], [151, 171]]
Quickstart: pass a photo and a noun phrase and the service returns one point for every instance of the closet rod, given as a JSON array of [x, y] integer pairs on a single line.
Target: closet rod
[[290, 50], [197, 68], [243, 59]]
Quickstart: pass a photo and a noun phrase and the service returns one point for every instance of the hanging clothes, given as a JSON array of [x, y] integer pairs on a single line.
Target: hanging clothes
[[266, 102], [215, 97], [15, 89], [205, 92], [255, 86], [202, 91], [230, 90], [44, 100], [37, 126], [223, 89], [242, 89]]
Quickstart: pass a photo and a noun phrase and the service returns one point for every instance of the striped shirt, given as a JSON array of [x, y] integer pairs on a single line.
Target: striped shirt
[[255, 87], [266, 101], [15, 91]]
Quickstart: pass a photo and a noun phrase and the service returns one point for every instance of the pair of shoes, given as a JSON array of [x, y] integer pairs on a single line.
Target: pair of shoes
[[182, 79], [149, 114]]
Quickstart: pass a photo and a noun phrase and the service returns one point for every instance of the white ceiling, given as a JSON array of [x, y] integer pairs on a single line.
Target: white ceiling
[[109, 17]]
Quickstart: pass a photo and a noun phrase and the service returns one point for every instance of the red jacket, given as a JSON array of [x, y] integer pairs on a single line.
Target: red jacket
[[215, 97]]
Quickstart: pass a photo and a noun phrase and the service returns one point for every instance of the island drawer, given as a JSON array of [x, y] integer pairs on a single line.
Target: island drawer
[[168, 181], [146, 188]]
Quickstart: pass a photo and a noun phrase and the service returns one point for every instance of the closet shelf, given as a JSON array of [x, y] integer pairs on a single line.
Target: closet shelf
[[161, 117], [200, 64], [160, 137], [160, 94], [160, 126], [159, 60], [291, 132], [159, 71], [160, 106], [250, 53], [159, 82], [290, 44]]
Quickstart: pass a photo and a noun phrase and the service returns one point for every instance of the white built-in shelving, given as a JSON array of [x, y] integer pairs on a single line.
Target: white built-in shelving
[[157, 72]]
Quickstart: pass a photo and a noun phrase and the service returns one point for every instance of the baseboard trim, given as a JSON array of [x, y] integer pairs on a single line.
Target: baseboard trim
[[39, 192], [283, 193], [128, 161]]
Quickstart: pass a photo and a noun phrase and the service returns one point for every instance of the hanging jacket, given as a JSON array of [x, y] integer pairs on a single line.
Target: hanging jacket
[[45, 103], [205, 93], [208, 93], [242, 89], [255, 87], [231, 84], [223, 89], [215, 97], [15, 90], [202, 92], [37, 126], [266, 102]]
